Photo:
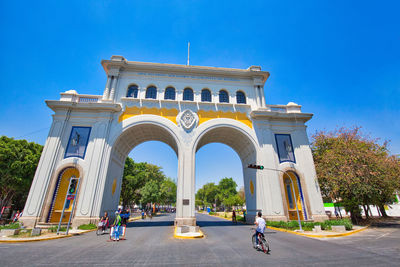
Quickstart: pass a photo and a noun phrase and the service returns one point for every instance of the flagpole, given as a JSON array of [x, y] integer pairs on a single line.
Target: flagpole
[[188, 58]]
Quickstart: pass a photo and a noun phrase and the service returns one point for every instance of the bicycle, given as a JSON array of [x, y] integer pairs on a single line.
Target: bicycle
[[262, 241]]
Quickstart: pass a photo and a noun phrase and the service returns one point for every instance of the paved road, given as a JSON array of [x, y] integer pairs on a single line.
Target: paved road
[[151, 243]]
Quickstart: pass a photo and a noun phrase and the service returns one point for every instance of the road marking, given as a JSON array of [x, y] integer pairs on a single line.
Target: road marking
[[382, 235]]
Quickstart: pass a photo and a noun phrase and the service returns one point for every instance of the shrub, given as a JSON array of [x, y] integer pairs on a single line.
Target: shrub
[[308, 226], [211, 213], [11, 226], [240, 218], [53, 229], [346, 222], [89, 226]]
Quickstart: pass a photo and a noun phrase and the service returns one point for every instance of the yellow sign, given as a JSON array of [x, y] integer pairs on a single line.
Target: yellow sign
[[114, 186]]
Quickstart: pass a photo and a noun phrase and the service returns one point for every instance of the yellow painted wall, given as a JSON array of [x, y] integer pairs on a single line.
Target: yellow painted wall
[[171, 114], [292, 212], [209, 115], [61, 193]]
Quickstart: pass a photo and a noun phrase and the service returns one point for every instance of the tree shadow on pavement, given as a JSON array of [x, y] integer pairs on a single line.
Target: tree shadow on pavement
[[149, 223], [216, 223]]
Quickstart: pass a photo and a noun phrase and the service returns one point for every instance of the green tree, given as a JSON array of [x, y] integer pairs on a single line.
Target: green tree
[[227, 188], [242, 194], [168, 192], [355, 170], [211, 194], [200, 198], [18, 162], [232, 200], [136, 187], [151, 192]]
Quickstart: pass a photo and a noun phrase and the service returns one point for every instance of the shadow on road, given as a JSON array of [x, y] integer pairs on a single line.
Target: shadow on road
[[216, 223], [149, 223]]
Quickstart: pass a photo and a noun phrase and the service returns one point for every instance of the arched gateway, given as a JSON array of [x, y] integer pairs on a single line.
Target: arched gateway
[[185, 107]]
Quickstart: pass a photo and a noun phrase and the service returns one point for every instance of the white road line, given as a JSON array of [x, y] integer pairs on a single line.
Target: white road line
[[382, 235]]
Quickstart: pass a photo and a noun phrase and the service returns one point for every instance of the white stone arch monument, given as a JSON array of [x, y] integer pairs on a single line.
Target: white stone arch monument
[[91, 136]]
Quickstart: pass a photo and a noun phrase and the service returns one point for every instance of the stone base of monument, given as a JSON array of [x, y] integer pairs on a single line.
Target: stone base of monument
[[188, 231], [8, 232], [36, 232]]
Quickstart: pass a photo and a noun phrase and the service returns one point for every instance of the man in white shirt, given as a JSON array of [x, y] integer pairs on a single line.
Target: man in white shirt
[[260, 223]]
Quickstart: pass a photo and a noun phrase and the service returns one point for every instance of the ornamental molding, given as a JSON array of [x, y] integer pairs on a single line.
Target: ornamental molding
[[187, 119]]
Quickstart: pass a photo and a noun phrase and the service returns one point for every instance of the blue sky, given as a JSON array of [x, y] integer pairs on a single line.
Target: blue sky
[[339, 59]]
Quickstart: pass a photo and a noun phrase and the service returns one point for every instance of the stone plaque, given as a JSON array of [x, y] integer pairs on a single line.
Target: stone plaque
[[186, 202]]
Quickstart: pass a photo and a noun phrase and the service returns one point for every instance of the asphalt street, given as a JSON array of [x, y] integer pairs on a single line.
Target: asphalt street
[[151, 243]]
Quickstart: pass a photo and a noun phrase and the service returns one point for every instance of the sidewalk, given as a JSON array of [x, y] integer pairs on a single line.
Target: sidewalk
[[50, 236], [322, 234], [45, 236]]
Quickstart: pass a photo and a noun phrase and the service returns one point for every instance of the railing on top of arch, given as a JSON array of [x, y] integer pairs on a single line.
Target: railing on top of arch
[[89, 98]]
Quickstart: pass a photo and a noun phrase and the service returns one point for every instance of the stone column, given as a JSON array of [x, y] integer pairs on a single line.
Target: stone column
[[263, 104], [185, 199], [107, 89], [257, 95], [113, 85]]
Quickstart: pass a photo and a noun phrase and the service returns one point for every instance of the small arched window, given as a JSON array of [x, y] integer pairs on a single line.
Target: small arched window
[[132, 91], [205, 95], [240, 97], [223, 96], [188, 94], [151, 92], [169, 93]]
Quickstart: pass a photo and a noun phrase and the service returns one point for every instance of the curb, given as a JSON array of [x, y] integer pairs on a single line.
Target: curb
[[45, 238], [188, 237], [317, 236]]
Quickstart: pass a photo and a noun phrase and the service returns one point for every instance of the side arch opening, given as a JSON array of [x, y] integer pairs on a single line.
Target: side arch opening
[[124, 144], [245, 147], [59, 194]]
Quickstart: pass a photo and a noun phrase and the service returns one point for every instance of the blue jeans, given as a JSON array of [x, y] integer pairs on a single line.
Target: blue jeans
[[257, 242], [116, 231]]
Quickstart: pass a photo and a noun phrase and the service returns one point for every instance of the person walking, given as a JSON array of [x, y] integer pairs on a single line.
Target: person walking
[[234, 216], [117, 225], [16, 217]]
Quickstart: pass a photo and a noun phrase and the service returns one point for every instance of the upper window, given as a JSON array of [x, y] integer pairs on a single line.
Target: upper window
[[132, 91], [78, 141], [223, 96], [285, 148], [240, 97], [205, 95], [169, 93], [188, 94], [151, 92]]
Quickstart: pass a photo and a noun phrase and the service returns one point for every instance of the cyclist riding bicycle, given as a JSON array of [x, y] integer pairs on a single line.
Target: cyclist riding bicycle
[[260, 223]]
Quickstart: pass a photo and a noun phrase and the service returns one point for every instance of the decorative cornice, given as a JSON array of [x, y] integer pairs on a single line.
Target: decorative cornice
[[277, 116], [108, 107], [118, 61]]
